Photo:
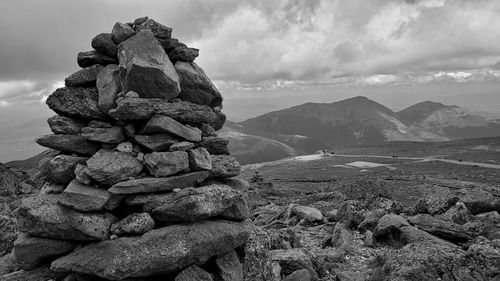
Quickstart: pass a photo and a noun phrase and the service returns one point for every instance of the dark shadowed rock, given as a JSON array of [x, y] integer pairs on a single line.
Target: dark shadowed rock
[[146, 69], [181, 146], [121, 32], [110, 167], [193, 273], [224, 166], [441, 228], [61, 169], [112, 135], [32, 252], [215, 145], [86, 198], [69, 143], [61, 125], [184, 112], [104, 44], [37, 274], [108, 85], [157, 29], [51, 188], [8, 233], [478, 200], [183, 54], [164, 124], [389, 223], [159, 251], [89, 58], [199, 159], [133, 224], [156, 142], [169, 44], [351, 213], [162, 164], [292, 260], [78, 103], [42, 216], [193, 204], [81, 174], [147, 185], [207, 131], [371, 219], [299, 275], [229, 267], [196, 87], [85, 77]]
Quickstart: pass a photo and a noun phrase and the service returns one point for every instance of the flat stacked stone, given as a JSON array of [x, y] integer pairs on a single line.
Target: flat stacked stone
[[141, 167]]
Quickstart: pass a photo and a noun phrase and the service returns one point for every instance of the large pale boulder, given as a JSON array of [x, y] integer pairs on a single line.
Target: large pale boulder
[[69, 143], [85, 77], [196, 87], [164, 124], [86, 198], [61, 125], [146, 69], [147, 185], [42, 216], [108, 86], [159, 251], [79, 103], [163, 164], [111, 167]]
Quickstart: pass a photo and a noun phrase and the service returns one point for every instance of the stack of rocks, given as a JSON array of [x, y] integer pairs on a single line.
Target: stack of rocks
[[141, 186]]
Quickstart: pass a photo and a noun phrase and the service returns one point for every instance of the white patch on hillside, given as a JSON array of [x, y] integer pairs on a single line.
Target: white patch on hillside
[[311, 157], [402, 128], [364, 165]]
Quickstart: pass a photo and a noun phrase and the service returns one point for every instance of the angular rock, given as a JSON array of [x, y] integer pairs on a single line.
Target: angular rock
[[437, 202], [9, 228], [61, 169], [61, 125], [42, 216], [444, 229], [148, 185], [32, 252], [196, 87], [193, 204], [371, 219], [99, 124], [37, 274], [111, 167], [351, 213], [215, 145], [126, 147], [111, 135], [308, 214], [164, 124], [181, 146], [183, 112], [85, 77], [108, 86], [146, 69], [78, 103], [89, 58], [157, 29], [207, 131], [162, 164], [86, 198], [229, 267], [224, 166], [156, 142], [183, 54], [133, 224], [169, 44], [292, 260], [69, 144], [193, 273], [458, 214], [299, 275], [104, 44], [121, 32], [199, 159], [81, 174], [51, 188], [478, 200], [159, 251], [389, 223]]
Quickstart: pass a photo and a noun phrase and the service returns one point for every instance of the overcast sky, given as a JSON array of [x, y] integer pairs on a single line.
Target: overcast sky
[[258, 51]]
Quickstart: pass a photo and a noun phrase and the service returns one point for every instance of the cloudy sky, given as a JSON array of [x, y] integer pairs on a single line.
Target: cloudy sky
[[259, 51]]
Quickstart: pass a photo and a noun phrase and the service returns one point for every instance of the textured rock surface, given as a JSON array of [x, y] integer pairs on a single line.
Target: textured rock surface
[[224, 166], [85, 77], [478, 200], [229, 267], [146, 185], [104, 44], [69, 143], [183, 54], [86, 198], [79, 103], [159, 251], [89, 58], [8, 227], [199, 159], [110, 167], [61, 169], [181, 146], [156, 142], [193, 273], [162, 164], [104, 135], [133, 224], [309, 214], [215, 145], [164, 124], [121, 32], [61, 125], [108, 86], [196, 86], [157, 29], [42, 216], [146, 69]]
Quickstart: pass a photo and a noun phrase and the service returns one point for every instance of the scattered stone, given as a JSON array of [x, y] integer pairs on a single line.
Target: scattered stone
[[193, 273], [157, 29], [181, 146], [86, 198], [351, 213], [121, 32], [199, 159], [164, 124], [37, 274], [308, 214], [61, 169], [388, 223], [147, 185], [133, 224], [146, 69], [69, 144], [111, 167], [299, 275], [32, 252], [61, 125], [159, 251], [8, 227], [104, 44], [108, 85], [371, 219], [132, 94], [111, 135], [437, 202], [215, 145], [125, 147], [207, 131], [458, 214], [162, 164], [85, 77], [369, 239], [78, 103], [42, 216], [478, 200], [89, 58], [224, 166], [196, 86], [156, 142], [444, 229], [331, 216], [51, 188], [129, 130], [229, 267], [292, 260]]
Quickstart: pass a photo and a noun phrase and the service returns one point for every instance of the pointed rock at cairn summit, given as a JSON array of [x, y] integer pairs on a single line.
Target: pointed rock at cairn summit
[[136, 150]]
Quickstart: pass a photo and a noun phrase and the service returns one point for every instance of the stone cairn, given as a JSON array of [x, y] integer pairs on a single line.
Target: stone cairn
[[140, 186]]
